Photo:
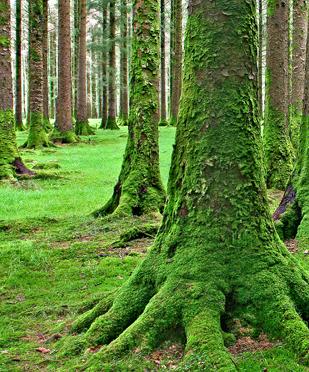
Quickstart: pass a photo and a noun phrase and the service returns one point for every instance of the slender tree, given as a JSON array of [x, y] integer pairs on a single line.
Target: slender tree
[[124, 93], [111, 120], [278, 147], [104, 68], [47, 124], [82, 125], [139, 188], [300, 20], [18, 68], [217, 256], [64, 131], [163, 66], [37, 135], [176, 59], [10, 161]]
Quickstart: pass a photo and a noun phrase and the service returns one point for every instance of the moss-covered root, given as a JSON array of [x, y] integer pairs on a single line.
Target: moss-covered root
[[63, 137], [111, 123], [84, 129]]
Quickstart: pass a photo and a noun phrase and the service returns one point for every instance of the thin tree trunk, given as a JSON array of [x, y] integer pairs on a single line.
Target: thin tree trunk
[[111, 120], [278, 147], [64, 131], [104, 70], [124, 97], [260, 56], [82, 124], [176, 60], [47, 124], [18, 69], [163, 66]]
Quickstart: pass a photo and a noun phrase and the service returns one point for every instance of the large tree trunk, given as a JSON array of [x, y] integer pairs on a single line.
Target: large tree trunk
[[18, 69], [217, 262], [82, 125], [278, 147], [139, 189], [104, 69], [300, 20], [176, 59], [124, 93], [10, 161], [111, 120], [64, 125], [37, 135]]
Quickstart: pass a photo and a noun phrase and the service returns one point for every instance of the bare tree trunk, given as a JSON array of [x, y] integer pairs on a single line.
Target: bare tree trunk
[[163, 66], [124, 99], [47, 124], [104, 70], [64, 128]]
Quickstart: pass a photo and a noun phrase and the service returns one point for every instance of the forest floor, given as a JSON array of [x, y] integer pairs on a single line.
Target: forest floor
[[56, 260]]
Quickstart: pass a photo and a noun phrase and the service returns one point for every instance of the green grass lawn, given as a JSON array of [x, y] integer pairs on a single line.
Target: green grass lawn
[[56, 260]]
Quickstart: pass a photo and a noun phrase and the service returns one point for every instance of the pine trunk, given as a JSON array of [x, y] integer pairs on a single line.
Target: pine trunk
[[217, 266], [64, 132], [300, 20], [82, 125], [278, 147], [139, 189], [124, 98], [10, 161], [37, 135], [47, 124], [176, 60], [163, 66], [111, 120], [18, 69], [104, 70]]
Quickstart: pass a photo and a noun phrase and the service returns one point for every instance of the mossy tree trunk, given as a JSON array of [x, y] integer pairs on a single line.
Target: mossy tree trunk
[[217, 260], [37, 135], [82, 126], [64, 132], [111, 119], [139, 188], [176, 59], [278, 146], [300, 20], [18, 70], [162, 66], [10, 161]]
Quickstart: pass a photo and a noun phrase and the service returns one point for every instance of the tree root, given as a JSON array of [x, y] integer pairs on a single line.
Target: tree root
[[145, 231]]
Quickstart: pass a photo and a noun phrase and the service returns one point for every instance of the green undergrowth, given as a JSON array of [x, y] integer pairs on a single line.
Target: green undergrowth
[[57, 261]]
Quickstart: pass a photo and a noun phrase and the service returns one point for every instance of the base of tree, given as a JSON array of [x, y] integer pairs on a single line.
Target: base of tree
[[20, 127], [83, 128], [173, 121], [163, 123], [122, 121], [63, 137], [111, 124], [47, 125]]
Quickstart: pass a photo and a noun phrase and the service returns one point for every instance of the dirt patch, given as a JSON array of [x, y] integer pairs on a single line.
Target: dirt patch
[[292, 245], [245, 344], [167, 358]]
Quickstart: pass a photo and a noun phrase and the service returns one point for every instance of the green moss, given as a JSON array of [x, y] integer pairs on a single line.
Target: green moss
[[37, 136], [83, 129], [111, 123], [4, 41], [63, 137]]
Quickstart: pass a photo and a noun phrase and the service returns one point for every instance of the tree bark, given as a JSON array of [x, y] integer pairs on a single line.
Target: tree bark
[[82, 125], [124, 97], [278, 147], [10, 161], [64, 132], [47, 124], [162, 66], [176, 60], [300, 20], [104, 69], [217, 260], [111, 119], [37, 135], [139, 188], [18, 69]]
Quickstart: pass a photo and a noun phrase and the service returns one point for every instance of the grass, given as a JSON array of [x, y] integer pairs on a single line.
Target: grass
[[56, 260]]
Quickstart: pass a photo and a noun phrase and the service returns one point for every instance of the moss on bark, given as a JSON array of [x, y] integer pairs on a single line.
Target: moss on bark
[[217, 256], [64, 137], [37, 134], [83, 128]]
